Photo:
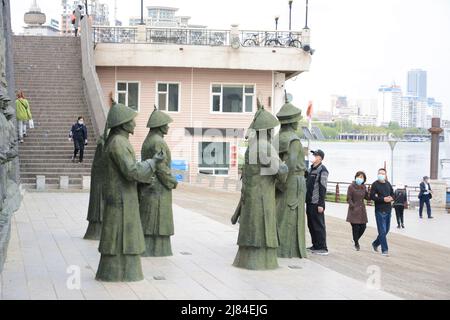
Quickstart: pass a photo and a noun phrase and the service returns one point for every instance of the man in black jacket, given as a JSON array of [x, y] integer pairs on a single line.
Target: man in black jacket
[[382, 194], [425, 195], [78, 134], [316, 190]]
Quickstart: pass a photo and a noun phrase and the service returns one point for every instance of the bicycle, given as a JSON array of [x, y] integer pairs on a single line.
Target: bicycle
[[289, 41]]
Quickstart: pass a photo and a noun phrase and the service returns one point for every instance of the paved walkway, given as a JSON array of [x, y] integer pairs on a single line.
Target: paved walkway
[[431, 230], [46, 246]]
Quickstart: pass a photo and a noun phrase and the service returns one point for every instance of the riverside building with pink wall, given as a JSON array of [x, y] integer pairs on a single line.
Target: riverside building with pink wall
[[206, 80]]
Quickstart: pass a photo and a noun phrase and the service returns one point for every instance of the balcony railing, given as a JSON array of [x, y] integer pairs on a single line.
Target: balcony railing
[[114, 34], [200, 37]]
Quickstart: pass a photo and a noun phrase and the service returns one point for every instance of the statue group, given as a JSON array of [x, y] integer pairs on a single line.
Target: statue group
[[130, 206], [271, 210]]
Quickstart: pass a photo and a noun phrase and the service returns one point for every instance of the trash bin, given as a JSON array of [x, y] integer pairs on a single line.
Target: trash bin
[[179, 169]]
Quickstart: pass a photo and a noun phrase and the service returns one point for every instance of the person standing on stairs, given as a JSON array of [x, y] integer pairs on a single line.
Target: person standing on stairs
[[78, 16], [78, 134], [23, 114]]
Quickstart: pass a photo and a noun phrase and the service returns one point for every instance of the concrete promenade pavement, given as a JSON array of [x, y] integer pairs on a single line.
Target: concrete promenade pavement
[[47, 252], [431, 230]]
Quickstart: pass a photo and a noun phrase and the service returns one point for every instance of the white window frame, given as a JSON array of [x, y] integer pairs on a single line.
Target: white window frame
[[199, 167], [117, 91], [222, 84], [167, 98]]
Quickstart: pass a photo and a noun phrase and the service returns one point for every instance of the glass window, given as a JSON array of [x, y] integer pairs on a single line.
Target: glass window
[[162, 87], [214, 155], [133, 95], [232, 98], [216, 103], [169, 96], [128, 94], [249, 89], [121, 98], [162, 99], [173, 97], [121, 86], [248, 103]]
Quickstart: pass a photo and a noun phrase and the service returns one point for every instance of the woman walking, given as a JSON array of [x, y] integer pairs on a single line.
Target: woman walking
[[400, 202], [23, 114], [357, 214]]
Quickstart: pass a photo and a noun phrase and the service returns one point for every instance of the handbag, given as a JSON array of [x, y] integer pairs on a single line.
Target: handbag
[[31, 124]]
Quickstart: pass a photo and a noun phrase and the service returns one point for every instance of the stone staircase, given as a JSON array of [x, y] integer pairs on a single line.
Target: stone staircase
[[48, 70]]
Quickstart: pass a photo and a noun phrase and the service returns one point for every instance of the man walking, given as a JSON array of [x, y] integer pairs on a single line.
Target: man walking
[[78, 134], [382, 194], [425, 196], [316, 190]]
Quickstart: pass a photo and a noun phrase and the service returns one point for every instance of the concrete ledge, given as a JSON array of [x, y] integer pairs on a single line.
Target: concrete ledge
[[64, 182], [86, 184], [40, 182]]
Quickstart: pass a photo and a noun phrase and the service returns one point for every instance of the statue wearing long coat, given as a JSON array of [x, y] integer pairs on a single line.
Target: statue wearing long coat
[[122, 239], [96, 206], [290, 197], [257, 237], [155, 199]]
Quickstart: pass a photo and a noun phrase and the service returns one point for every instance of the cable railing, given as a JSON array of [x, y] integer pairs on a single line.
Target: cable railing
[[197, 36]]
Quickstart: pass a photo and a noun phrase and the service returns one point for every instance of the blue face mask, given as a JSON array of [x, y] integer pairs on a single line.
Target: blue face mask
[[359, 181], [381, 177]]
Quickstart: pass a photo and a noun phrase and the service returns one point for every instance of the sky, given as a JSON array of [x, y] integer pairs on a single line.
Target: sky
[[359, 44]]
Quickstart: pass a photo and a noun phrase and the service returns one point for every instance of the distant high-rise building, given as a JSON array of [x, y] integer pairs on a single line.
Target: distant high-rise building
[[389, 105], [417, 83], [414, 112], [164, 17]]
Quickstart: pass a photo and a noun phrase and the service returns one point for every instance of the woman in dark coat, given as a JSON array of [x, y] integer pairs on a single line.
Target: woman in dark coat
[[357, 214], [400, 202]]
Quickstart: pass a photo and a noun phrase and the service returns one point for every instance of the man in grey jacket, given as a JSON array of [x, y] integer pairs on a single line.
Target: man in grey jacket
[[316, 190]]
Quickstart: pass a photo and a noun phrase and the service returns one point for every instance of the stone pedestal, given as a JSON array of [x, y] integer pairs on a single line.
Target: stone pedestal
[[141, 36], [40, 183], [64, 182], [86, 184], [438, 202]]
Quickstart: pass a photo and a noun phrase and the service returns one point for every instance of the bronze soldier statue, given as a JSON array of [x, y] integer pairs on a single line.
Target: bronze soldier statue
[[155, 199], [122, 239], [290, 196], [256, 212], [96, 204]]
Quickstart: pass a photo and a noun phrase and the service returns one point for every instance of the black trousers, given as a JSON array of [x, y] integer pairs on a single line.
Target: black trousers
[[358, 231], [425, 200], [316, 226], [78, 146], [399, 215]]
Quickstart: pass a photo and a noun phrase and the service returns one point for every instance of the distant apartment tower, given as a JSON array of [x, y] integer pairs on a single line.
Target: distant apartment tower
[[164, 17], [389, 105], [414, 112], [417, 83]]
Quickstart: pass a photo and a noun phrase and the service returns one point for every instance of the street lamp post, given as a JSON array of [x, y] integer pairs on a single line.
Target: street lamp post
[[306, 19], [142, 12], [290, 14], [392, 143], [276, 22]]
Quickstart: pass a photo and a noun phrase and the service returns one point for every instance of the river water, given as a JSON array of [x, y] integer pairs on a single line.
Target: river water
[[411, 160]]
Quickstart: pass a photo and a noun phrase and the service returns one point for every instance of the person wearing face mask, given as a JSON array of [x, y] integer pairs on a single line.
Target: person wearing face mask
[[357, 213], [316, 190], [382, 194], [78, 134]]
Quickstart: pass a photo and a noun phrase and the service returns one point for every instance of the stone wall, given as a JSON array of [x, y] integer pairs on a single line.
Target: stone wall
[[10, 196]]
